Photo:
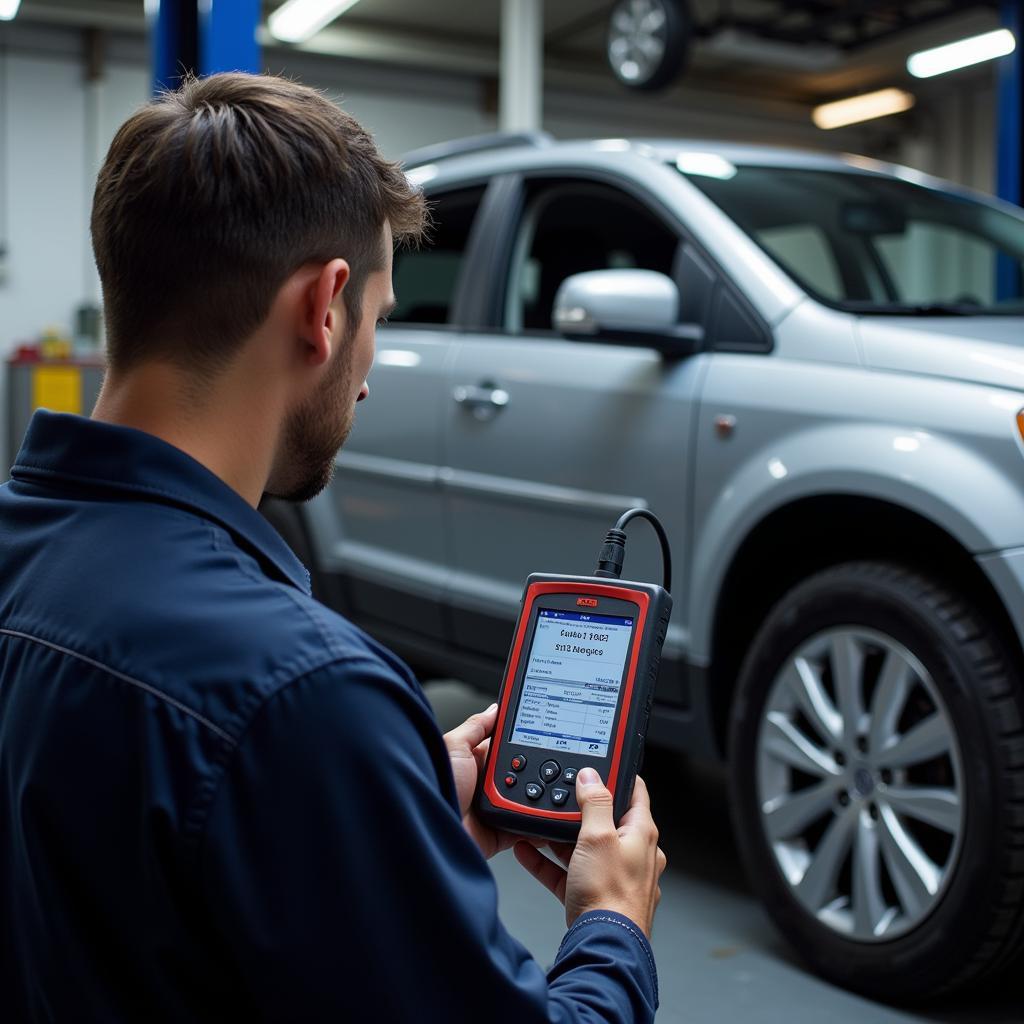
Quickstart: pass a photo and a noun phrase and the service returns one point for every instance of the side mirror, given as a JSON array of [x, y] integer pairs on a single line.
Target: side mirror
[[625, 307]]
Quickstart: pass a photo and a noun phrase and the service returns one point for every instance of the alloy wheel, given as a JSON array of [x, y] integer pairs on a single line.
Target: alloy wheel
[[860, 784]]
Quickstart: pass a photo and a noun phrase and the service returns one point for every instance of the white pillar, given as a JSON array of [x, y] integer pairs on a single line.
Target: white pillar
[[522, 58], [94, 78]]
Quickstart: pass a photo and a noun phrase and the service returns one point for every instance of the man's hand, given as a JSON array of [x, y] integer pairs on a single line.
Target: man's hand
[[608, 868], [467, 747]]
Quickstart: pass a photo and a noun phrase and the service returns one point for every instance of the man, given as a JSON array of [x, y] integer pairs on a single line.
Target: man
[[219, 800]]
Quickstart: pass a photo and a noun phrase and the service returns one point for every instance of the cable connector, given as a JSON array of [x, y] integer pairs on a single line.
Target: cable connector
[[613, 554]]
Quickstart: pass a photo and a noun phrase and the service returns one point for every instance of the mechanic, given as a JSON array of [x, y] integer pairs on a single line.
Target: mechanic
[[218, 799]]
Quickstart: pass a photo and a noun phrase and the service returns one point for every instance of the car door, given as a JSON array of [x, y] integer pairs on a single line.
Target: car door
[[385, 500], [548, 440]]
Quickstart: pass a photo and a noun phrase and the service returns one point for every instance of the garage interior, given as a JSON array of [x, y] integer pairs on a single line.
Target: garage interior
[[422, 75]]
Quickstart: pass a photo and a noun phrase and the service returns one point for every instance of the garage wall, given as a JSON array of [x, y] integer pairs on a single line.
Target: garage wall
[[57, 130]]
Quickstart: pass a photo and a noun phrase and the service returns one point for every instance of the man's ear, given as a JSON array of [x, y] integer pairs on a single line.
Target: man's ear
[[320, 329]]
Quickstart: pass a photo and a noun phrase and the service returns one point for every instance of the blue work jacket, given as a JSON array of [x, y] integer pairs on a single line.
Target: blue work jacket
[[221, 801]]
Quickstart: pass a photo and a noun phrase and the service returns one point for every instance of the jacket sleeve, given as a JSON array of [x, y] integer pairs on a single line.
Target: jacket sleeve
[[341, 885]]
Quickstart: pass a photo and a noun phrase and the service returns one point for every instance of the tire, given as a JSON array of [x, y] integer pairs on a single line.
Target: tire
[[847, 886], [673, 35]]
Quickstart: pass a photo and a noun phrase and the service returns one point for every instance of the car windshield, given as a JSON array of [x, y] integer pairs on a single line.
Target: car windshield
[[875, 244]]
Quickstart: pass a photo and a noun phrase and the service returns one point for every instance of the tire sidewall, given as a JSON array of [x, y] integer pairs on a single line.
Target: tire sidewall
[[678, 31], [929, 955]]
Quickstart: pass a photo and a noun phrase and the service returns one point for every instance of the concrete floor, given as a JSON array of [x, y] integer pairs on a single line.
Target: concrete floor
[[719, 958]]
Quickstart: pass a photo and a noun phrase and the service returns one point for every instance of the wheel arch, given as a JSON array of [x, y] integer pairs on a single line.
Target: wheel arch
[[832, 528]]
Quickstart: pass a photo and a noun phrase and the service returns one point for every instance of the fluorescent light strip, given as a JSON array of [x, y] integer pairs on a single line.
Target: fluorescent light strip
[[298, 20], [8, 9], [862, 108], [961, 54]]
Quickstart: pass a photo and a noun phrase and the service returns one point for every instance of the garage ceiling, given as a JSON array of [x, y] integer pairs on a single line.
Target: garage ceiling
[[803, 51]]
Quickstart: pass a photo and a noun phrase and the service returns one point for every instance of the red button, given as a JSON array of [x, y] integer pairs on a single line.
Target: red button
[[510, 780], [518, 763]]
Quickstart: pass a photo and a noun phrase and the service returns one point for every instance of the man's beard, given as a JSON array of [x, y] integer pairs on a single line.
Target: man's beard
[[315, 431]]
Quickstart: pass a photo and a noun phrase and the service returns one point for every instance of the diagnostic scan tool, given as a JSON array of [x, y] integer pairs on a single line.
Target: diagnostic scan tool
[[576, 693]]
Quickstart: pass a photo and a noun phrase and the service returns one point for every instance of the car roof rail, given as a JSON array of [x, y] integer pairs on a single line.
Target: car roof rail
[[473, 144]]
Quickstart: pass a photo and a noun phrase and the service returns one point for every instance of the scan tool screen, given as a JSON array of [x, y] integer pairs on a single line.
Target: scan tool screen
[[573, 676]]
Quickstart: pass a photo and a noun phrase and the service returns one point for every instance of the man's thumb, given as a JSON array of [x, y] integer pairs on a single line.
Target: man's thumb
[[595, 803]]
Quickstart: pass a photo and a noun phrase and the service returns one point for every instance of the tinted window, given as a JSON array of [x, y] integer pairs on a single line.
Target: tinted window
[[571, 228], [805, 249], [425, 278], [872, 243]]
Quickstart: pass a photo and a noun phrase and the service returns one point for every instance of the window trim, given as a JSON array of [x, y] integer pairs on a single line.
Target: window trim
[[538, 204], [508, 203], [458, 294], [854, 307]]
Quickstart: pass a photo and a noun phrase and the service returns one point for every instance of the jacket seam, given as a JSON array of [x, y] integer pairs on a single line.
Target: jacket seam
[[124, 677], [233, 552], [182, 500], [218, 768], [635, 932]]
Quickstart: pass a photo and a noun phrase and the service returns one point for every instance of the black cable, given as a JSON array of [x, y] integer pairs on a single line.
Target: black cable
[[613, 553]]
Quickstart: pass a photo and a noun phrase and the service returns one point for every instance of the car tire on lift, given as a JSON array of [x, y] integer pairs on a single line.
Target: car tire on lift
[[920, 656], [674, 33]]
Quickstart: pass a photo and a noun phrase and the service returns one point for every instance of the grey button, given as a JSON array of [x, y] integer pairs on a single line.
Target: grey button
[[559, 796], [550, 770], [534, 790]]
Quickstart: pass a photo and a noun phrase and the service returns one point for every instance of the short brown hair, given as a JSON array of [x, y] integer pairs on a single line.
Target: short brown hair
[[213, 195]]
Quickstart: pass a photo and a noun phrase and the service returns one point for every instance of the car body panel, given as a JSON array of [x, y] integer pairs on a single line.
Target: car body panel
[[982, 349], [386, 491], [446, 512], [924, 444], [537, 486]]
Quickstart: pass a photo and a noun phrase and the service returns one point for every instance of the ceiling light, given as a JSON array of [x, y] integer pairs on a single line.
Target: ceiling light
[[297, 20], [8, 9], [862, 108], [961, 54]]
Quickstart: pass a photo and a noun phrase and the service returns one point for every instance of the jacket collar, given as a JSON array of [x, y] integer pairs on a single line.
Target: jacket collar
[[62, 448]]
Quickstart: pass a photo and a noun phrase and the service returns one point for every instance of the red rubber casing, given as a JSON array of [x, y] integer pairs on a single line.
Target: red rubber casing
[[509, 809]]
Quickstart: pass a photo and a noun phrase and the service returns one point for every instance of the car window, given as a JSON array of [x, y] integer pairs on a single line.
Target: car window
[[571, 227], [425, 278], [805, 251], [885, 244], [932, 262]]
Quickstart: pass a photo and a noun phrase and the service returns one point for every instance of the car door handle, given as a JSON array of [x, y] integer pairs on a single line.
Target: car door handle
[[484, 400]]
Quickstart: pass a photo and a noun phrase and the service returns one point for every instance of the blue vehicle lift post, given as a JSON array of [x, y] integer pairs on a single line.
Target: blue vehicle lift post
[[1010, 140], [202, 37]]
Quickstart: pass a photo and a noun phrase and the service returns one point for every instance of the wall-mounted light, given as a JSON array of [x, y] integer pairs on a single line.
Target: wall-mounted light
[[298, 20], [862, 108], [961, 54], [8, 9]]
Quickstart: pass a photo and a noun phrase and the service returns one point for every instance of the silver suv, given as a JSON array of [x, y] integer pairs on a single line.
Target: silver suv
[[811, 368]]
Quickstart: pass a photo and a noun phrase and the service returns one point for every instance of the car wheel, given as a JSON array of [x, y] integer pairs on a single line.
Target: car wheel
[[648, 42], [878, 781]]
